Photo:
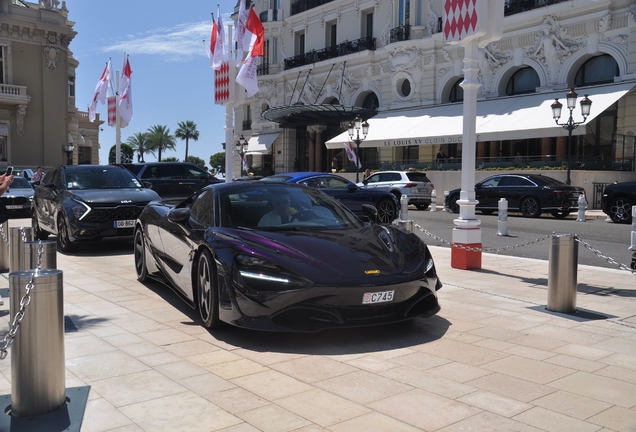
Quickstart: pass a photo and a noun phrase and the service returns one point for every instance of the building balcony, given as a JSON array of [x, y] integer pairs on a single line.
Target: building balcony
[[247, 125], [342, 49], [262, 69], [517, 6], [13, 95], [304, 5], [400, 33], [270, 15]]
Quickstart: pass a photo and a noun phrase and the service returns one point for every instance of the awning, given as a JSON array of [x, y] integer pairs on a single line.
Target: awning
[[87, 141], [70, 138], [260, 144], [514, 117]]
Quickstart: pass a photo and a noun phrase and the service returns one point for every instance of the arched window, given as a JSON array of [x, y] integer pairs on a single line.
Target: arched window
[[597, 70], [370, 101], [457, 92], [523, 81]]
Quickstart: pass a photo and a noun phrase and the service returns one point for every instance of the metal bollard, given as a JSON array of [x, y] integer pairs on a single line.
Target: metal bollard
[[502, 224], [582, 203], [633, 246], [446, 209], [31, 255], [37, 357], [4, 247], [404, 211], [564, 255], [433, 200], [16, 245]]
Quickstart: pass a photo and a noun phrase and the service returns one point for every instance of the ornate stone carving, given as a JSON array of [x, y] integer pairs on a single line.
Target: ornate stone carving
[[490, 60], [49, 4], [431, 21], [442, 72], [349, 85], [268, 90], [404, 59], [20, 114], [385, 36]]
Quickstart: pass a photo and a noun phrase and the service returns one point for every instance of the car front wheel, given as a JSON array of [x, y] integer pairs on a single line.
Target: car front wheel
[[560, 214], [620, 210], [140, 256], [63, 239], [386, 211], [207, 291], [452, 203], [530, 207]]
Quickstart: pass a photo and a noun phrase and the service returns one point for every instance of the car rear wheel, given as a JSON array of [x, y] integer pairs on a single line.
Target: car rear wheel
[[63, 239], [386, 211], [530, 207], [207, 291], [38, 234], [487, 212], [560, 214], [620, 210], [422, 206], [452, 203], [140, 256]]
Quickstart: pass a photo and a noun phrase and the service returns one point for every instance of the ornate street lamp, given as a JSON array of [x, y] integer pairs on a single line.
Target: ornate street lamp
[[570, 124], [354, 128], [69, 153], [241, 149]]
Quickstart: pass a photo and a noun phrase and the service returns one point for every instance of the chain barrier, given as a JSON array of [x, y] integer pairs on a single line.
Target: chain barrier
[[497, 250], [5, 239], [24, 302]]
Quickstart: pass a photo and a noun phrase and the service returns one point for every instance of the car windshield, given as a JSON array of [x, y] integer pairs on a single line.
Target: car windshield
[[100, 177], [281, 207], [20, 182]]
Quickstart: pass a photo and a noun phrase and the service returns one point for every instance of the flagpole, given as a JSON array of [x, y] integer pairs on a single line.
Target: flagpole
[[229, 118], [117, 119]]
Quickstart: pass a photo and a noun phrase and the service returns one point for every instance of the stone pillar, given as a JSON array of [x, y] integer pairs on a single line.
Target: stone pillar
[[317, 131], [494, 150], [546, 148], [562, 149], [312, 150]]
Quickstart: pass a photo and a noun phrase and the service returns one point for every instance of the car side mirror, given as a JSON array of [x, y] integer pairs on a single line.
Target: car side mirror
[[370, 211], [365, 182], [352, 187], [147, 184], [179, 215]]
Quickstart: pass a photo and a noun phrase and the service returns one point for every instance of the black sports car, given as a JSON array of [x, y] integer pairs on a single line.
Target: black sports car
[[284, 257], [530, 194], [87, 203], [617, 201]]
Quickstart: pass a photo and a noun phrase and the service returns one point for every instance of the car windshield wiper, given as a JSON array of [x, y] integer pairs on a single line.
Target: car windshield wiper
[[281, 228]]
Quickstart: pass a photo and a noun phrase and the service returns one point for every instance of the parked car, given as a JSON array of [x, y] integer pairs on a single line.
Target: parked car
[[18, 197], [617, 201], [412, 184], [171, 179], [530, 194], [26, 173], [324, 268], [87, 203], [346, 192]]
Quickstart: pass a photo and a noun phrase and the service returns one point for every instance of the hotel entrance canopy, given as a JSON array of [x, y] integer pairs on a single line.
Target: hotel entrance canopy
[[508, 118], [260, 144]]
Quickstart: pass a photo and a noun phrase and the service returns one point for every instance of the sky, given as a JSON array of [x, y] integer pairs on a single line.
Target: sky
[[171, 76]]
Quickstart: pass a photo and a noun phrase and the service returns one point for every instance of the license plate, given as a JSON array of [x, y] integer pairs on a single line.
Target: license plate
[[575, 194], [125, 224], [423, 190], [378, 297], [13, 207]]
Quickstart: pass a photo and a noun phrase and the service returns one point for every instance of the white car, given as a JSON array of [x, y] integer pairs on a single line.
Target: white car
[[412, 184]]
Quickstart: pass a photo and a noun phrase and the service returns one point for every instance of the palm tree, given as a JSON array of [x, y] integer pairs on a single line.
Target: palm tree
[[140, 143], [187, 130], [160, 139]]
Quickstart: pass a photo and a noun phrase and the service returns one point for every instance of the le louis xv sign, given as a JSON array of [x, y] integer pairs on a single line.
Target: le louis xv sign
[[451, 139]]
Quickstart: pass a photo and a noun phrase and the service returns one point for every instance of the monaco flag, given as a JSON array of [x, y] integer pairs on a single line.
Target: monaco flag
[[101, 91], [351, 153], [256, 33], [217, 42], [125, 100]]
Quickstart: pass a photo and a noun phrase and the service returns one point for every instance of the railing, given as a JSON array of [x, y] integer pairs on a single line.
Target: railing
[[517, 6], [342, 49], [264, 16], [13, 90], [247, 124], [304, 5], [262, 69], [400, 33]]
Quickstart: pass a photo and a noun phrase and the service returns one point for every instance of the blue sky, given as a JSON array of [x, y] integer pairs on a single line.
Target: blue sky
[[172, 80]]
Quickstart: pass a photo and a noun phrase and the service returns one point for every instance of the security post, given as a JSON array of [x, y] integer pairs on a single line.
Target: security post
[[446, 209], [502, 223], [39, 254], [581, 203], [4, 246], [433, 200], [562, 275], [404, 214], [633, 246], [17, 238]]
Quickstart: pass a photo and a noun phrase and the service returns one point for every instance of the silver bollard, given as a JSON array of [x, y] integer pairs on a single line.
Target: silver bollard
[[16, 245], [38, 383], [562, 276], [404, 204], [446, 209], [502, 223], [47, 256], [633, 246], [582, 203], [433, 200], [4, 247]]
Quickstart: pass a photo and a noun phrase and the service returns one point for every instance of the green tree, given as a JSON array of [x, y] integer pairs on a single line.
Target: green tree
[[196, 160], [171, 159], [217, 162], [187, 131], [126, 153], [139, 143], [160, 139]]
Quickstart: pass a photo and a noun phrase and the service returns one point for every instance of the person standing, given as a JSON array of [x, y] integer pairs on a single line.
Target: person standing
[[441, 156], [335, 164], [38, 176], [296, 165], [5, 181]]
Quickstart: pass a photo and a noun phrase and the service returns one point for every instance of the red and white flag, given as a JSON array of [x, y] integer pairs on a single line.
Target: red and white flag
[[244, 163], [255, 31], [351, 153], [101, 91], [239, 33], [217, 42], [125, 89]]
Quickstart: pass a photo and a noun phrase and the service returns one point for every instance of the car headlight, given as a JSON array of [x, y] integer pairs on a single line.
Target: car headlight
[[259, 274], [80, 210]]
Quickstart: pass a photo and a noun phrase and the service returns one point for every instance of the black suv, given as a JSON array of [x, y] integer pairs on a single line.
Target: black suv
[[87, 203], [617, 201], [172, 179]]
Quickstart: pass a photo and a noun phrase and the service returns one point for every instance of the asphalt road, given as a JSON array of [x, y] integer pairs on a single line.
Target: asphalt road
[[532, 238]]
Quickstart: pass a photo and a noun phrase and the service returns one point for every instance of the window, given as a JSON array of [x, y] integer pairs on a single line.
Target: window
[[71, 86], [523, 81], [332, 35], [367, 25], [275, 51], [410, 154], [266, 52], [457, 92], [3, 64], [202, 210], [300, 43], [597, 70], [405, 12]]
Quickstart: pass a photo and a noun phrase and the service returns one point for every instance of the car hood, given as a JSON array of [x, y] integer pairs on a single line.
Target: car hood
[[375, 250], [119, 196]]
